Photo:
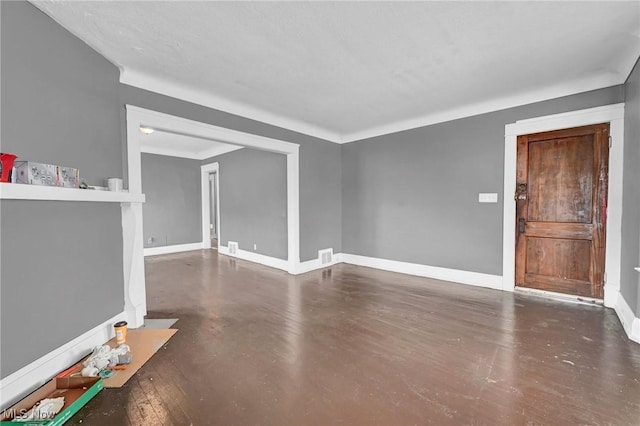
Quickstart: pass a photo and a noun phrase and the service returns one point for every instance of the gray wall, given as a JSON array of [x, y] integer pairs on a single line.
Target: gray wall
[[61, 275], [61, 261], [59, 97], [172, 213], [253, 200], [630, 257], [413, 196], [320, 171]]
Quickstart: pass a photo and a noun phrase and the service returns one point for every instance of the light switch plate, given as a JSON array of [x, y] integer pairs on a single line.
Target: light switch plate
[[487, 197]]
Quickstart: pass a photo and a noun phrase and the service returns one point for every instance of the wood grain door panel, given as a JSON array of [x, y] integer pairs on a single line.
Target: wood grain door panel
[[560, 180], [561, 210]]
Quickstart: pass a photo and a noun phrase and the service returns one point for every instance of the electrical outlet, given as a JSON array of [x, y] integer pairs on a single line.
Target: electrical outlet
[[255, 247], [150, 240]]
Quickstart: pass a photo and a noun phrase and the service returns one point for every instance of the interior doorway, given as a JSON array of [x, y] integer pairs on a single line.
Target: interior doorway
[[213, 210], [561, 208], [132, 221], [210, 184]]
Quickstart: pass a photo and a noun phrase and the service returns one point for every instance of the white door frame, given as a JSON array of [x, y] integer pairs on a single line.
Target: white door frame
[[613, 114], [206, 170], [135, 296]]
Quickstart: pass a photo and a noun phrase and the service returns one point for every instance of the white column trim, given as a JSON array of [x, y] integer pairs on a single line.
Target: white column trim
[[613, 114], [135, 299], [293, 210]]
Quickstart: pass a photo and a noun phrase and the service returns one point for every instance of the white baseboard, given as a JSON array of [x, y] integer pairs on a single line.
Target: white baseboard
[[445, 274], [152, 251], [30, 377], [630, 322], [314, 264], [256, 258]]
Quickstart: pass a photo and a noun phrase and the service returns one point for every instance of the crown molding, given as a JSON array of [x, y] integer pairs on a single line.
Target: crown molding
[[165, 87], [162, 86], [529, 97]]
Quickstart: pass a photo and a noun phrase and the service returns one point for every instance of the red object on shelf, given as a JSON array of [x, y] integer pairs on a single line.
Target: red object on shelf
[[6, 165]]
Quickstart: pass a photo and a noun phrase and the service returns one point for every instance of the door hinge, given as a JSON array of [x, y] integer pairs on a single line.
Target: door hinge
[[610, 141], [604, 277]]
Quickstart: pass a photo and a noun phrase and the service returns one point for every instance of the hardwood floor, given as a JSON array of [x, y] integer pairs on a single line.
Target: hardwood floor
[[356, 346]]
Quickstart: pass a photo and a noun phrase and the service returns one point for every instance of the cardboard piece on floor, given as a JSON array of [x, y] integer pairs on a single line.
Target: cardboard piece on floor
[[144, 342], [77, 391]]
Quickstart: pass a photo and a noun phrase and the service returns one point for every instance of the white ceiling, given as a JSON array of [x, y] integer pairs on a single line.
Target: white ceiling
[[348, 70], [176, 145]]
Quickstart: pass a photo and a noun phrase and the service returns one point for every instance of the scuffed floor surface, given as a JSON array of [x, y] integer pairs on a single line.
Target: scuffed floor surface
[[356, 346]]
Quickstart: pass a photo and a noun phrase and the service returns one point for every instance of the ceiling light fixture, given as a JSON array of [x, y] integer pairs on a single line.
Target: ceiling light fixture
[[146, 130]]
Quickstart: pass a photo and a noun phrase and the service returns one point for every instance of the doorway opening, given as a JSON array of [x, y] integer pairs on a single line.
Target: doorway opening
[[210, 184], [132, 218]]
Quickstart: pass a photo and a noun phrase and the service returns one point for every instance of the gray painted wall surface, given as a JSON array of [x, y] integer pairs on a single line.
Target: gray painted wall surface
[[59, 97], [172, 212], [630, 258], [61, 275], [253, 200], [320, 169], [413, 196], [61, 261]]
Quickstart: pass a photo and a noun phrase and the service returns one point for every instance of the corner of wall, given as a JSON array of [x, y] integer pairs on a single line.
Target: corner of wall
[[630, 322]]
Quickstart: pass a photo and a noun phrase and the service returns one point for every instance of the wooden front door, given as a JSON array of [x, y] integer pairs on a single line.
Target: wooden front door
[[561, 207]]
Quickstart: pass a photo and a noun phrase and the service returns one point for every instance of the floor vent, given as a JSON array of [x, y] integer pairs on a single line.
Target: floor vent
[[233, 248], [325, 256]]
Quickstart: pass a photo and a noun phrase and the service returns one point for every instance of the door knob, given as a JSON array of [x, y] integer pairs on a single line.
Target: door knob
[[521, 192]]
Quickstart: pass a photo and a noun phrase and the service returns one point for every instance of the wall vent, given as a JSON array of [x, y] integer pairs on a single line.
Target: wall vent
[[325, 256], [233, 247]]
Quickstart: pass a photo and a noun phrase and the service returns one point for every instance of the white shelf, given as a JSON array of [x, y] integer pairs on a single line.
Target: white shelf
[[16, 191]]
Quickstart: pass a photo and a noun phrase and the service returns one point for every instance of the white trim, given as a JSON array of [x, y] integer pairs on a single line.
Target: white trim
[[174, 124], [135, 296], [446, 274], [315, 264], [293, 210], [205, 170], [16, 191], [32, 376], [262, 259], [630, 322], [166, 87], [170, 88], [613, 114], [183, 153], [218, 150], [176, 248], [470, 110]]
